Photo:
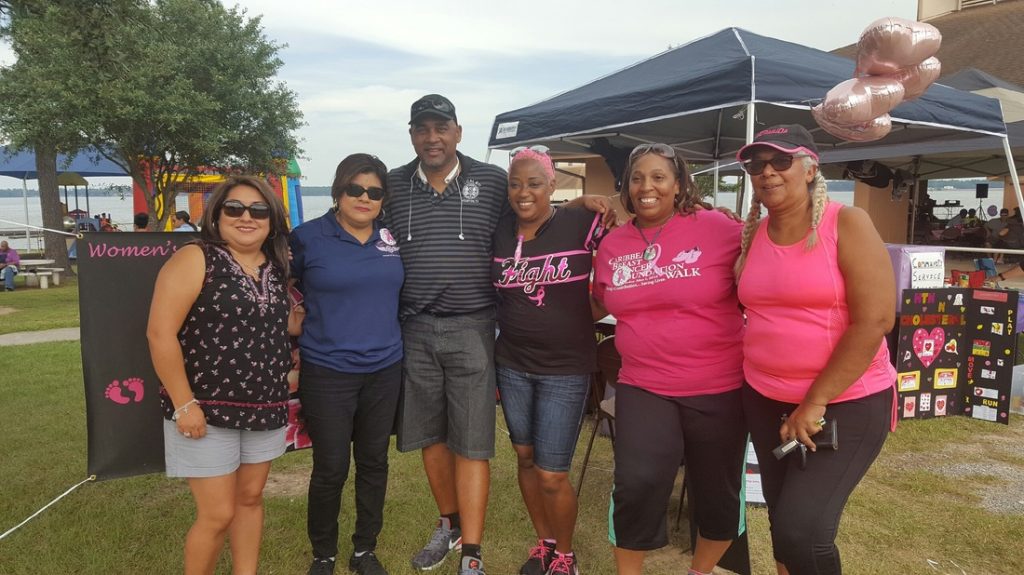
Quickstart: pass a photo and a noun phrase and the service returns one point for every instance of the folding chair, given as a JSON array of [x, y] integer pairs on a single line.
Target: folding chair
[[608, 364]]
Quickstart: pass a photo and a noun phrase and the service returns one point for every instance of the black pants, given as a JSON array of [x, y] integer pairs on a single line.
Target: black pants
[[653, 433], [805, 505], [343, 409]]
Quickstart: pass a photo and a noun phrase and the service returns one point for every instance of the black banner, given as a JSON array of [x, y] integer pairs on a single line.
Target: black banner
[[956, 352], [117, 272]]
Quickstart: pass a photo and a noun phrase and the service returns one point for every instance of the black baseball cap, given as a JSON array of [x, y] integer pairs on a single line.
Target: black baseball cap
[[789, 138], [432, 105]]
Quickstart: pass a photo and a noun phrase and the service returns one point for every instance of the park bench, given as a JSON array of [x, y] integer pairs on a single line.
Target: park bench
[[37, 277], [56, 274]]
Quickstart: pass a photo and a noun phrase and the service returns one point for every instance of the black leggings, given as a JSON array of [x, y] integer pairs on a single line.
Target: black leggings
[[805, 505]]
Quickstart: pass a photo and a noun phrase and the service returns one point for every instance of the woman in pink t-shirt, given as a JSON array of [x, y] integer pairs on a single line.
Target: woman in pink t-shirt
[[668, 280], [818, 290]]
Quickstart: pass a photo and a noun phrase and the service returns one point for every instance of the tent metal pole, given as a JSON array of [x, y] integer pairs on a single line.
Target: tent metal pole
[[913, 205], [24, 196], [748, 187], [716, 183], [1013, 171], [487, 156]]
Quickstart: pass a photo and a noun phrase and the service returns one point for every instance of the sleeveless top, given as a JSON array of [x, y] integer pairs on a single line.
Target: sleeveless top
[[236, 347], [796, 313]]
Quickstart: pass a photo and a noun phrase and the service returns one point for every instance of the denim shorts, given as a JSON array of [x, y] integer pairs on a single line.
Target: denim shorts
[[544, 411], [220, 451], [448, 393]]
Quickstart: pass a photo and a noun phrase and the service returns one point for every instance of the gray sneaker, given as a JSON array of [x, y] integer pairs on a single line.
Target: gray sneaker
[[441, 542], [472, 566]]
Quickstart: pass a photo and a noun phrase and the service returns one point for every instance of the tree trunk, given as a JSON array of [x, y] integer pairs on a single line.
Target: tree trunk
[[53, 216]]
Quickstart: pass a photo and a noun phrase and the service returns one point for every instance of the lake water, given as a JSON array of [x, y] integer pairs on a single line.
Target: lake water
[[13, 209]]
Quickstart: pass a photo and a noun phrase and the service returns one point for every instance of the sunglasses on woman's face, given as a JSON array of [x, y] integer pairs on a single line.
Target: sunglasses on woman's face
[[356, 191], [779, 163], [235, 209]]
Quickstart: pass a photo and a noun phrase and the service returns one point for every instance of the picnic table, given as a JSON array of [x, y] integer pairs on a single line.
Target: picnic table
[[39, 272]]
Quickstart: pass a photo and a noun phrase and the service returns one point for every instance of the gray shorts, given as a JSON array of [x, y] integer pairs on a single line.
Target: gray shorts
[[449, 390], [220, 451]]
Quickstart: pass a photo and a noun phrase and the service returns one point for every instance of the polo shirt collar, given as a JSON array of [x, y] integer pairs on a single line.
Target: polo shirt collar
[[447, 179]]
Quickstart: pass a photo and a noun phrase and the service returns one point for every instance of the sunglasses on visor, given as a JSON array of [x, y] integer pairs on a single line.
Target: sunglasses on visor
[[235, 209], [663, 150], [779, 164], [425, 104], [539, 149]]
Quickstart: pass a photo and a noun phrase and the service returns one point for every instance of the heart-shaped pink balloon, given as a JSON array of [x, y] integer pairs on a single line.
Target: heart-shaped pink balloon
[[916, 79], [859, 100], [876, 129], [888, 44], [928, 346]]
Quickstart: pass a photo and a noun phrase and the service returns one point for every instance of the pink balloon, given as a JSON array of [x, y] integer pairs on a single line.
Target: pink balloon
[[858, 100], [889, 44], [916, 79], [875, 129]]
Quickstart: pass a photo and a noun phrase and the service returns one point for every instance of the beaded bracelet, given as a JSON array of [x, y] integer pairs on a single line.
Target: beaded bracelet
[[183, 410]]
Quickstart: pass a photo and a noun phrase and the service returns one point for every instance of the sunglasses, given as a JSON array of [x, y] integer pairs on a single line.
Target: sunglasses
[[437, 105], [539, 149], [235, 209], [356, 191], [663, 150], [779, 164]]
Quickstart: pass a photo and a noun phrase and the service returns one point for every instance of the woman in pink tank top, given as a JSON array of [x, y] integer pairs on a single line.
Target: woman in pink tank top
[[818, 291]]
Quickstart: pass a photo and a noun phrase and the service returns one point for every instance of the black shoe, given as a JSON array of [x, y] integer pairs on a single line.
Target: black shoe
[[321, 566], [366, 564]]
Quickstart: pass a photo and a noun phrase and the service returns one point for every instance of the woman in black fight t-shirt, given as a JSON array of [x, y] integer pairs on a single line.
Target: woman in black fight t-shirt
[[546, 350]]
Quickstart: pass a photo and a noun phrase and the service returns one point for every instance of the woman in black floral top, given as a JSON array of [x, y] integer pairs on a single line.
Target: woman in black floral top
[[219, 342]]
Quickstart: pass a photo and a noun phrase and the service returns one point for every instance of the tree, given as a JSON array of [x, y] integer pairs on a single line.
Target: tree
[[163, 89], [29, 117], [195, 88]]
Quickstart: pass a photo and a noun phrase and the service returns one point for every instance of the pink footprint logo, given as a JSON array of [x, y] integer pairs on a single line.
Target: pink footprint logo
[[121, 393]]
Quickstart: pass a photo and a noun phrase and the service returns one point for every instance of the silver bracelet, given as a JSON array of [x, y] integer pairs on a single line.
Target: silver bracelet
[[183, 410]]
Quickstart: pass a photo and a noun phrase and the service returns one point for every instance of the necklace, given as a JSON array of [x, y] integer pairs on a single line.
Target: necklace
[[649, 252]]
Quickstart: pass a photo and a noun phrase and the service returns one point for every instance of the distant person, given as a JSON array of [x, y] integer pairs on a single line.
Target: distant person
[[996, 232], [972, 221], [181, 222], [348, 268], [957, 220], [223, 367], [9, 261], [141, 221]]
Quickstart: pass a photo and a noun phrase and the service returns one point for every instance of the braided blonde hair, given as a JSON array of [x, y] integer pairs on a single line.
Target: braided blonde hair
[[818, 189]]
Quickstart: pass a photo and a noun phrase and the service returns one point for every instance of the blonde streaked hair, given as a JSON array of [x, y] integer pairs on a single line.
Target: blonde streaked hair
[[818, 190]]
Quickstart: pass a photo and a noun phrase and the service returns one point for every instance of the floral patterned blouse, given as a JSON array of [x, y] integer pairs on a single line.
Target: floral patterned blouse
[[235, 344]]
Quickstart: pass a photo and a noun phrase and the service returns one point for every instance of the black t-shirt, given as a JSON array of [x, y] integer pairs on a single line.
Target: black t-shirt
[[544, 295]]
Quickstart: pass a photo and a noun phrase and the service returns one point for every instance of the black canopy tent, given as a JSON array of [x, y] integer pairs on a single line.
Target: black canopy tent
[[707, 98]]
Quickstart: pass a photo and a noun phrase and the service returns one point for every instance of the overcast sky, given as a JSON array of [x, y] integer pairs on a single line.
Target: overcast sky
[[358, 66]]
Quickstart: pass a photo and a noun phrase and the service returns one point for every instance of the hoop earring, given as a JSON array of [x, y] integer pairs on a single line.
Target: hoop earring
[[334, 206], [383, 213], [272, 235]]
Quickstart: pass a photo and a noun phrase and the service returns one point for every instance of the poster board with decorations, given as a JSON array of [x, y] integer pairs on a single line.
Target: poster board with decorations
[[955, 353]]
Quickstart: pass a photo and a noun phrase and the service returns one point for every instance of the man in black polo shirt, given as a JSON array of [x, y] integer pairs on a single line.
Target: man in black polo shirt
[[443, 209]]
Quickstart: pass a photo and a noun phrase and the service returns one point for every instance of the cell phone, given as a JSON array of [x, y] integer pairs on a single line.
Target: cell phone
[[828, 438]]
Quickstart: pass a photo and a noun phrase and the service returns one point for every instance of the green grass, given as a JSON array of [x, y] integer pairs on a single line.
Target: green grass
[[37, 309], [901, 516]]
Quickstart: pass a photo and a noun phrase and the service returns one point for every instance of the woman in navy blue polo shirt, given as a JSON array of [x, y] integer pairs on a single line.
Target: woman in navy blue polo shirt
[[350, 274]]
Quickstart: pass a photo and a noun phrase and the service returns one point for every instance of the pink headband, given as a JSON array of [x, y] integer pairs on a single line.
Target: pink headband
[[544, 159]]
